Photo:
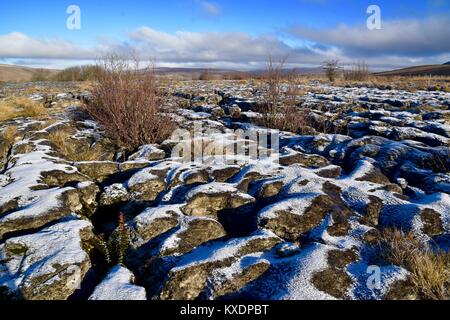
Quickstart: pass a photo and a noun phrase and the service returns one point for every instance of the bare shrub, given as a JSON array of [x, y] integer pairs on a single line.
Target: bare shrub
[[429, 270], [272, 88], [128, 104], [206, 75], [331, 68], [79, 73], [358, 72], [281, 100], [240, 76]]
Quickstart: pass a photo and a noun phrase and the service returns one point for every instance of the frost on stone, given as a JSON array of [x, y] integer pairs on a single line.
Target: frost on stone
[[118, 285], [49, 264]]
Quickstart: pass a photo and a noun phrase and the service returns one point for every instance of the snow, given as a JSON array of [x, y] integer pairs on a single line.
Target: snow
[[289, 276], [219, 250], [46, 252], [361, 272], [114, 191], [118, 286], [141, 177], [296, 205], [147, 151], [150, 215], [23, 174], [213, 188], [299, 287], [85, 184]]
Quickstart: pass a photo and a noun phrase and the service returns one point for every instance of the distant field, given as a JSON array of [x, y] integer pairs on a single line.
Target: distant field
[[12, 73], [18, 73], [429, 70]]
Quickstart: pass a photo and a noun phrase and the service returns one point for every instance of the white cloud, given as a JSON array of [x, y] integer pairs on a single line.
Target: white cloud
[[410, 38], [186, 46], [19, 45], [400, 43]]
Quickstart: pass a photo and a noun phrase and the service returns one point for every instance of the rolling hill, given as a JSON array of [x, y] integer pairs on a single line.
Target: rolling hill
[[427, 70], [18, 73]]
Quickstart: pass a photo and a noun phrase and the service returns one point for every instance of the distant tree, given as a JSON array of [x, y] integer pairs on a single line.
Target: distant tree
[[40, 75], [79, 73], [358, 72], [331, 68], [206, 75]]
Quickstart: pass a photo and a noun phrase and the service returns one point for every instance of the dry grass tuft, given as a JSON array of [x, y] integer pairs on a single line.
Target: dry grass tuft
[[9, 134], [7, 138], [431, 275], [61, 141], [429, 270], [17, 107], [8, 110]]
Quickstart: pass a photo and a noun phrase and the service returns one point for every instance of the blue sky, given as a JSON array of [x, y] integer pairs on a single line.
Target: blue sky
[[226, 33]]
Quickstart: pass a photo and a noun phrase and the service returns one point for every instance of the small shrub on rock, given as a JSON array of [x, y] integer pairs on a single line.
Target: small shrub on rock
[[128, 104]]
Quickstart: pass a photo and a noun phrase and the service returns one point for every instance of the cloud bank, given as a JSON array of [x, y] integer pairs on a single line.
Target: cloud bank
[[400, 43]]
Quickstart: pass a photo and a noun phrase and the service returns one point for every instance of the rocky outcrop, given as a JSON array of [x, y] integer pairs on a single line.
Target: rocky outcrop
[[188, 279], [156, 221], [207, 200], [115, 194], [48, 265], [98, 170], [293, 217], [192, 233], [145, 186]]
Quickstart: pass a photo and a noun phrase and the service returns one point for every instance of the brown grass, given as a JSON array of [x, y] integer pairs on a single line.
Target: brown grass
[[17, 107], [7, 139], [429, 270], [60, 140], [408, 83], [41, 75], [128, 104], [9, 134], [8, 111], [12, 73]]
